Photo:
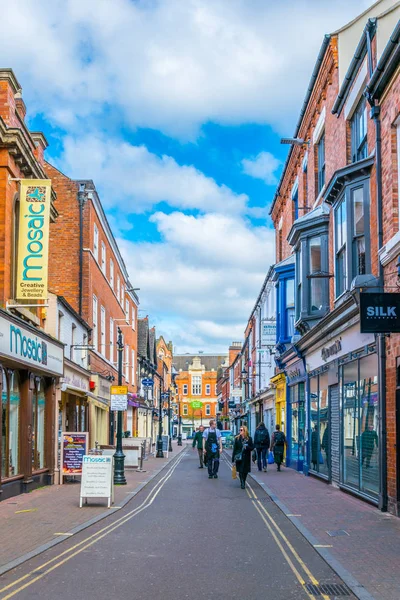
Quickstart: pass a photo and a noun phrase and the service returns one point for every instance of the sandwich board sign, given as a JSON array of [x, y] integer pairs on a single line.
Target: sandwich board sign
[[97, 478], [74, 446], [165, 443]]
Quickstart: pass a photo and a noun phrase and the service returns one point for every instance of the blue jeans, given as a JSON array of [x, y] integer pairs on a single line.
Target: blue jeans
[[262, 458], [213, 465]]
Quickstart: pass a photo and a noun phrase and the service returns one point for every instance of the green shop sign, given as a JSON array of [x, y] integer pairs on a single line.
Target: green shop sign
[[196, 404]]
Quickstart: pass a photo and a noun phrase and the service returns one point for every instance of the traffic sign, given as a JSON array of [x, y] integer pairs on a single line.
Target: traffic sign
[[165, 396], [147, 382]]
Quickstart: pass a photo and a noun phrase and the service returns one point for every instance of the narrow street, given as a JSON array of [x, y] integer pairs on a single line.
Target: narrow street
[[183, 536]]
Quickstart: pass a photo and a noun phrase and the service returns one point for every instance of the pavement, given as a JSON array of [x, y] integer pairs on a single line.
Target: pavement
[[183, 536], [33, 522], [365, 547]]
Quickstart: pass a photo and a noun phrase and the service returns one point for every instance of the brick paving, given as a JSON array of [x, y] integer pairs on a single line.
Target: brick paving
[[55, 509], [371, 550]]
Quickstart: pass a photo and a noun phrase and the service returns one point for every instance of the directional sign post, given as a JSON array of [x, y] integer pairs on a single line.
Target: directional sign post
[[147, 382]]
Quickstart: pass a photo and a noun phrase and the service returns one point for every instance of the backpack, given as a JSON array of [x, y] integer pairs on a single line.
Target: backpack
[[262, 436], [279, 438]]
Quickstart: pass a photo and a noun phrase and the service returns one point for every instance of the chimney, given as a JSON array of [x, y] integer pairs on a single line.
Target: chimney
[[20, 107]]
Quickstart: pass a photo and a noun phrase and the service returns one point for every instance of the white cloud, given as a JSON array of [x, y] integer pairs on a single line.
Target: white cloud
[[169, 65], [263, 166], [140, 179]]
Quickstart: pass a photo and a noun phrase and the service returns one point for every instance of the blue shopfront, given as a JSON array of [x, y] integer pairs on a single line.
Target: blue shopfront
[[296, 381]]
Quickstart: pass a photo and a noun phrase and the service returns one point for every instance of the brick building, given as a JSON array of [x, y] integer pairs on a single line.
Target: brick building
[[31, 362], [326, 213], [196, 379], [87, 269]]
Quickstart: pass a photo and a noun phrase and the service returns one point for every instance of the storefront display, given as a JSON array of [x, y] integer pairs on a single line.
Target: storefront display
[[320, 425]]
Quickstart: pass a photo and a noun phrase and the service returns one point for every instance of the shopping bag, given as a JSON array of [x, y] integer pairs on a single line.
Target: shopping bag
[[234, 474], [321, 458], [271, 459]]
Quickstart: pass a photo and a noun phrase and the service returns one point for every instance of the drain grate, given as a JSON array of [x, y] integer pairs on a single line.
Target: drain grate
[[328, 589]]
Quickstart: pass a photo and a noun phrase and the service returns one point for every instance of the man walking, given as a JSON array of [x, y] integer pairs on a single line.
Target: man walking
[[213, 448], [198, 441]]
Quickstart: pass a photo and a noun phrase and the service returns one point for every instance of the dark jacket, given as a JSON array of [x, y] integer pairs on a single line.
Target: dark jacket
[[198, 440], [261, 438], [243, 466]]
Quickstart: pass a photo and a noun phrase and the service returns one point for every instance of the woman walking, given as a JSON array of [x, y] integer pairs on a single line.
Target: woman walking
[[241, 454]]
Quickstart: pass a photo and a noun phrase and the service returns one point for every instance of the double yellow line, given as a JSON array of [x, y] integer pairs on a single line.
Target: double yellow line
[[292, 557], [65, 556]]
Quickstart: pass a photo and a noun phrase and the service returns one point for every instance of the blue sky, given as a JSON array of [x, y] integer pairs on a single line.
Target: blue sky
[[175, 109]]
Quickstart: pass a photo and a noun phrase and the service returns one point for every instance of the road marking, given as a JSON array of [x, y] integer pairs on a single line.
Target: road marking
[[95, 537], [291, 515], [63, 533], [18, 512], [322, 546]]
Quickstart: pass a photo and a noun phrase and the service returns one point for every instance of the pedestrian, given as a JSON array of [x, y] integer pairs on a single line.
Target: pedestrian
[[314, 448], [198, 441], [278, 446], [261, 444], [212, 449], [369, 439], [241, 454]]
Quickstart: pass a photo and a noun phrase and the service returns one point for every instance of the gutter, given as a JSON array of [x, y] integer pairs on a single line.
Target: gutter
[[385, 68], [316, 70]]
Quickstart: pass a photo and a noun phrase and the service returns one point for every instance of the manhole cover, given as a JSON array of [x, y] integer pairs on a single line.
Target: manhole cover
[[327, 589], [337, 533]]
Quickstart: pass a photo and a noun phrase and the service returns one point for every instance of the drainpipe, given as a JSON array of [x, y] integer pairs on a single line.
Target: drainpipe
[[81, 202], [381, 340]]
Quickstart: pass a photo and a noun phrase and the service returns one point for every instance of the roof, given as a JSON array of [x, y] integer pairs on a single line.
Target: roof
[[210, 361], [386, 67]]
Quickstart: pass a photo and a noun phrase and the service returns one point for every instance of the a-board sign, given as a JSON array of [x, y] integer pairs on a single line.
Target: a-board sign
[[165, 443], [97, 478], [119, 397], [74, 445]]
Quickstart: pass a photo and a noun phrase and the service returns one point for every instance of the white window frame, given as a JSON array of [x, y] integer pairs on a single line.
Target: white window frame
[[96, 242], [133, 317], [127, 363], [185, 388], [208, 410], [103, 330], [208, 389], [95, 307], [185, 410], [122, 295], [127, 310], [111, 340], [118, 287], [133, 368], [103, 257], [196, 385], [111, 273]]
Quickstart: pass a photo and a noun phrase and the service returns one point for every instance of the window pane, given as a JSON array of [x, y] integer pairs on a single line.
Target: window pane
[[315, 255], [314, 422], [4, 428], [369, 414], [358, 211], [14, 425], [290, 322], [350, 424], [316, 295], [289, 292]]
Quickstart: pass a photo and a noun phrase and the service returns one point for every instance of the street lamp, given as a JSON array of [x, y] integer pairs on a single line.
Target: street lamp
[[169, 423], [160, 453], [119, 456]]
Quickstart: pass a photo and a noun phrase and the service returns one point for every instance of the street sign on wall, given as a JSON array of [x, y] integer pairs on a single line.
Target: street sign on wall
[[268, 333], [148, 382], [379, 312]]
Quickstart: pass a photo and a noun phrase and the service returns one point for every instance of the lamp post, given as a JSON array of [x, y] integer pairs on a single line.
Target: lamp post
[[160, 453], [169, 423], [119, 456], [179, 423]]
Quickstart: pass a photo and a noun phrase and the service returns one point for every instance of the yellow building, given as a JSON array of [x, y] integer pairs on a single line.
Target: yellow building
[[279, 383]]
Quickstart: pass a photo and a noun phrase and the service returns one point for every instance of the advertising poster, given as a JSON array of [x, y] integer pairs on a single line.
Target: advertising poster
[[73, 449]]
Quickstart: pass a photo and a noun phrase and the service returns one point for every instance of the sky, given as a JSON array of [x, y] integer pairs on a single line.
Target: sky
[[175, 109]]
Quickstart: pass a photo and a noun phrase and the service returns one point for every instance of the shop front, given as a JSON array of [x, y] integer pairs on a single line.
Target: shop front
[[30, 366], [296, 414], [344, 412], [268, 409], [99, 409], [279, 383]]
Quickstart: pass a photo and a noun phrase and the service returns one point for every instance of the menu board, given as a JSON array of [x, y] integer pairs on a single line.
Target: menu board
[[73, 448], [97, 478]]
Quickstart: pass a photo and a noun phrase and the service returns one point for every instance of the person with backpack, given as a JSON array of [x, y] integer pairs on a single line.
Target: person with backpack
[[198, 441], [278, 446], [241, 454], [261, 444], [212, 448]]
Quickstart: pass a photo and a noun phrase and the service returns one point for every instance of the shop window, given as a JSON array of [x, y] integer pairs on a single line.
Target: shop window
[[38, 425], [352, 241], [360, 418], [10, 405], [196, 385], [320, 432], [185, 410], [208, 389], [298, 422], [359, 148], [208, 410]]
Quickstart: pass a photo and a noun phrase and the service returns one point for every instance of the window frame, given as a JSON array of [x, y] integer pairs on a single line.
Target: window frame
[[208, 410], [103, 253], [185, 410], [185, 389], [96, 242], [196, 385], [102, 330], [112, 333], [133, 317], [127, 310], [95, 317], [208, 389], [112, 273], [359, 147], [126, 363], [321, 162]]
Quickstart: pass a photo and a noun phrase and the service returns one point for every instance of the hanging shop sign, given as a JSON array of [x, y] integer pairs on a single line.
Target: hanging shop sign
[[119, 397], [147, 382], [74, 446], [268, 333], [379, 313], [33, 239], [196, 404]]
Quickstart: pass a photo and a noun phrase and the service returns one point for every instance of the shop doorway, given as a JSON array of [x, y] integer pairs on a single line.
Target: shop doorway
[[398, 429]]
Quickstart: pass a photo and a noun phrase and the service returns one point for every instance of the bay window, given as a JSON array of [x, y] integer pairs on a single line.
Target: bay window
[[285, 300], [359, 148], [321, 163], [340, 243]]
